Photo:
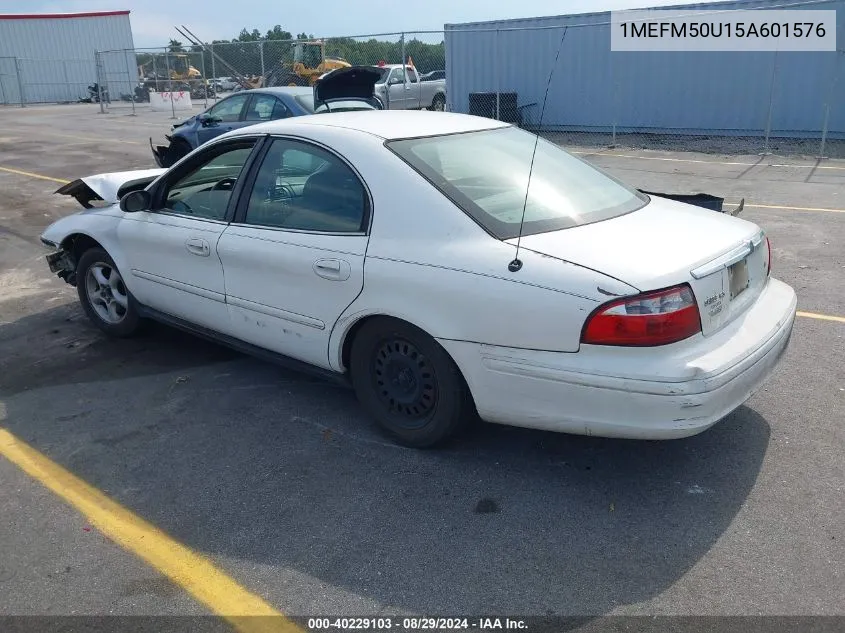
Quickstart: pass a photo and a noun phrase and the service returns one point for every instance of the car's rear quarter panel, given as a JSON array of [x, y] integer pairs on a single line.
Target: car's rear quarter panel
[[428, 263]]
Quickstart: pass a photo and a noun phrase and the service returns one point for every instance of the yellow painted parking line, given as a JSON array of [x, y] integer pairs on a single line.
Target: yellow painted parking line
[[86, 139], [788, 208], [192, 572], [707, 162], [20, 172], [821, 317]]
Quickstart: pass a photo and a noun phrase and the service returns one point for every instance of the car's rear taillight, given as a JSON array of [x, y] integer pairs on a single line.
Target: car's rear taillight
[[654, 318]]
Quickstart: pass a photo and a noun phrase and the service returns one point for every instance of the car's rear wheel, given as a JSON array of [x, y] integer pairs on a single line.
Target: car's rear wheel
[[438, 104], [104, 296], [408, 383]]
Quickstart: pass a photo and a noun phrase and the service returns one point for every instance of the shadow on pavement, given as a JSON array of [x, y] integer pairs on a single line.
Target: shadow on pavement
[[260, 467]]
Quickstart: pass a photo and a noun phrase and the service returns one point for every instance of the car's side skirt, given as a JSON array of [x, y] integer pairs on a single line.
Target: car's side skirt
[[244, 347]]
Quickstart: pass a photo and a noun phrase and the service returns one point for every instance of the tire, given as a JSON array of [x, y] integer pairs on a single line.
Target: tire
[[425, 400], [438, 104], [106, 300]]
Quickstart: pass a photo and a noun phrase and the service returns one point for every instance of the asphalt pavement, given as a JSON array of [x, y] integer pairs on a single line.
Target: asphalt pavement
[[283, 483]]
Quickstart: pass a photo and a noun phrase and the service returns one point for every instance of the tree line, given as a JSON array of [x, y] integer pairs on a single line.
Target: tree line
[[248, 57]]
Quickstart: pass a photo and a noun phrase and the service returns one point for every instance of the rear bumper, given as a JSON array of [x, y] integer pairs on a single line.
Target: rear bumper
[[657, 393]]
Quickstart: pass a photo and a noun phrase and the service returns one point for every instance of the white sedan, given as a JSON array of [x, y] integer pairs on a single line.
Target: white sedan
[[399, 251]]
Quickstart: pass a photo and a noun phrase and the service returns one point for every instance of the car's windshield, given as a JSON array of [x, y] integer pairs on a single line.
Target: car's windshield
[[486, 174], [307, 102]]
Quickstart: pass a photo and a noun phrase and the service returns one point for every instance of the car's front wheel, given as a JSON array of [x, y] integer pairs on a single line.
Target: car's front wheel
[[408, 383], [104, 296]]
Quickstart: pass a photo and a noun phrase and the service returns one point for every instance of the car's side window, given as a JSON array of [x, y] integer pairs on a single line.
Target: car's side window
[[229, 110], [304, 187], [261, 108], [204, 190], [398, 75]]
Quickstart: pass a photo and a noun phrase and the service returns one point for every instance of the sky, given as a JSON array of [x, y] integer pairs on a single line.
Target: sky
[[153, 21]]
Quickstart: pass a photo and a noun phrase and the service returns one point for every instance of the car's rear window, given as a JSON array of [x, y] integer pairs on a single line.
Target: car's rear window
[[486, 174], [307, 102]]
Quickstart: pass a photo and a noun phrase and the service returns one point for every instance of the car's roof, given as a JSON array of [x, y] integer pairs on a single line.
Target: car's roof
[[386, 124]]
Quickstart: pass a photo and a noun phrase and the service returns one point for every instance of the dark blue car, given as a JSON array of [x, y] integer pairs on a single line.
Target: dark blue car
[[341, 90]]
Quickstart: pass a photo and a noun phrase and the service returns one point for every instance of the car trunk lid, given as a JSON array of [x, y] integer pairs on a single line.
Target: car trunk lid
[[723, 258], [353, 82]]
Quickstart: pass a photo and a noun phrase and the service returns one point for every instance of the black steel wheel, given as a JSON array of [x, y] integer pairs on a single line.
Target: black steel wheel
[[408, 383], [405, 381]]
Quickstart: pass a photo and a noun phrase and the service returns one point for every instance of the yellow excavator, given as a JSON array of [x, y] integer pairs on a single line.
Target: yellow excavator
[[309, 63], [180, 68]]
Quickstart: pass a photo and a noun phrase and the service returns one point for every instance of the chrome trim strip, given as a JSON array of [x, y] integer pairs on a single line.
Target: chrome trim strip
[[276, 312], [728, 259], [178, 285]]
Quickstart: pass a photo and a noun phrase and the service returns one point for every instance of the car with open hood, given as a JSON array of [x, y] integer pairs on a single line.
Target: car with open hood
[[347, 89], [509, 280]]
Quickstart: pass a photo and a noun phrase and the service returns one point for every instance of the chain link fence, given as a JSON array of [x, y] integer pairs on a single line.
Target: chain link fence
[[31, 81], [561, 81], [568, 84]]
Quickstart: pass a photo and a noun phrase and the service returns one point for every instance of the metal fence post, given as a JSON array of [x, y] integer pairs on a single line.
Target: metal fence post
[[261, 54], [614, 98], [20, 82], [824, 130], [840, 56], [67, 81], [2, 91], [129, 79], [98, 60], [404, 59], [771, 105], [205, 74], [170, 83], [496, 70], [213, 69]]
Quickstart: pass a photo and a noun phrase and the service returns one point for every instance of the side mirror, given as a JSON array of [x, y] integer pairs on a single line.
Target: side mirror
[[136, 201], [395, 80]]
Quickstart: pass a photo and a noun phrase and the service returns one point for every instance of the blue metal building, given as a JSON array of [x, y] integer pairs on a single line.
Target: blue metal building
[[791, 94]]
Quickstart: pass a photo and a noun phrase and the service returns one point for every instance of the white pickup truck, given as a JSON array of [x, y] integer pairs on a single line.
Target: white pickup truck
[[400, 88]]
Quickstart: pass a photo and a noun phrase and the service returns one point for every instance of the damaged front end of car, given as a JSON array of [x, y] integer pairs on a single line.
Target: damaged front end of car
[[61, 261], [176, 148], [67, 237], [170, 154], [106, 189]]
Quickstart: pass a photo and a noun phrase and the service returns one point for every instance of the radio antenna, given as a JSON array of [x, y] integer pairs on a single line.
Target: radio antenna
[[516, 264]]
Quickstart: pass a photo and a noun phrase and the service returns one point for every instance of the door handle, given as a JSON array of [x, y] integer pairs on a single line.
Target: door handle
[[197, 246], [333, 269]]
